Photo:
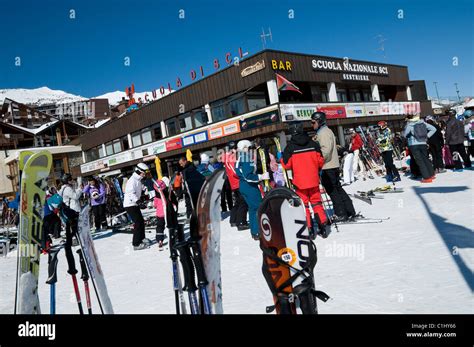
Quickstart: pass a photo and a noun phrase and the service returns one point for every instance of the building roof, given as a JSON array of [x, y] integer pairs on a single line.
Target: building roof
[[14, 155]]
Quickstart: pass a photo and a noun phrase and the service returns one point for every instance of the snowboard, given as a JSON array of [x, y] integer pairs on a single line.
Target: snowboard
[[92, 261], [206, 229], [289, 255], [30, 234]]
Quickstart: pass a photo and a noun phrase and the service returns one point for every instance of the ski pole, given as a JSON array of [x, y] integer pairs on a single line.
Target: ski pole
[[78, 294], [52, 277], [85, 278]]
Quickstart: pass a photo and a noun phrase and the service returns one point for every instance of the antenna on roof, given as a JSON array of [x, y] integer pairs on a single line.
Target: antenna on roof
[[264, 36], [381, 41]]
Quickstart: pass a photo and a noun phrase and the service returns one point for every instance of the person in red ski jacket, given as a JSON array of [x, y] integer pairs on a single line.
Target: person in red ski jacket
[[302, 156], [355, 147], [238, 213]]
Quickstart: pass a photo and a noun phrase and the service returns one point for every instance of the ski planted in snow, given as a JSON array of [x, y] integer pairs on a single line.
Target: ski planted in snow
[[92, 262], [289, 255], [30, 233], [205, 229]]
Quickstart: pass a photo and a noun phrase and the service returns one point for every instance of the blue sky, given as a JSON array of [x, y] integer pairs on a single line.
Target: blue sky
[[86, 55]]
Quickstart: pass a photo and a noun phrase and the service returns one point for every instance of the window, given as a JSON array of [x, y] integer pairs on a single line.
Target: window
[[125, 143], [366, 95], [355, 95], [109, 149], [341, 95], [218, 111], [171, 127], [136, 139], [101, 152], [117, 146], [236, 107], [185, 122], [156, 132], [146, 136], [200, 118], [256, 101], [92, 154]]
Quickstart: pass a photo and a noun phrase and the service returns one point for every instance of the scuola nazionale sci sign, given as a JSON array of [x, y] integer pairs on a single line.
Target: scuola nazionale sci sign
[[350, 71]]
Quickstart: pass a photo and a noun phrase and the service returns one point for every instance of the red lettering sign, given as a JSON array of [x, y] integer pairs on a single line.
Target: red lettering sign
[[333, 111], [174, 144], [162, 90], [178, 83], [228, 58], [216, 64], [193, 75]]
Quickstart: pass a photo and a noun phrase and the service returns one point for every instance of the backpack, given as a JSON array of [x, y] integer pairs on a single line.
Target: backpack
[[420, 132]]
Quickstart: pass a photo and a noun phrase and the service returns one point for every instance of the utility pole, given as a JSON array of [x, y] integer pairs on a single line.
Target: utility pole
[[436, 87], [457, 91], [263, 37], [381, 48]]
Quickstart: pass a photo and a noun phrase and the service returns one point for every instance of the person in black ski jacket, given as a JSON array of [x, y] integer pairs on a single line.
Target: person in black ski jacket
[[455, 136], [436, 143], [193, 180]]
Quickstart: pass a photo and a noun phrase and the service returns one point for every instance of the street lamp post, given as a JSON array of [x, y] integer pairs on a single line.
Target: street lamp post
[[457, 91]]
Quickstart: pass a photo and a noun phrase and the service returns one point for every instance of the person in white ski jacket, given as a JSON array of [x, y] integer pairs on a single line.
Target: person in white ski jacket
[[133, 192], [70, 193]]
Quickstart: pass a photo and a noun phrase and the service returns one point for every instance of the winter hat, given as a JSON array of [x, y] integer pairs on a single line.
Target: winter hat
[[243, 144]]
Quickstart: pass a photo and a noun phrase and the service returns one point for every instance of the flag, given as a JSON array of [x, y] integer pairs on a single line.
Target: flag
[[189, 155], [284, 84], [158, 168]]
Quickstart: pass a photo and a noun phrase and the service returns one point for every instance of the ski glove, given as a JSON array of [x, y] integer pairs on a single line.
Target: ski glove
[[264, 176]]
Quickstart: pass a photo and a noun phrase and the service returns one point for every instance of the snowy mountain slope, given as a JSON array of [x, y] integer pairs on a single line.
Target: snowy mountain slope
[[419, 261], [45, 95], [38, 96]]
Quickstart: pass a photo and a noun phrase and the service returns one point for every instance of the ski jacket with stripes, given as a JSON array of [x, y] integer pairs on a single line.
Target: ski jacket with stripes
[[302, 156]]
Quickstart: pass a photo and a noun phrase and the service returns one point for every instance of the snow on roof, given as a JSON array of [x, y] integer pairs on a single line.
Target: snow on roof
[[53, 150], [469, 104], [101, 122]]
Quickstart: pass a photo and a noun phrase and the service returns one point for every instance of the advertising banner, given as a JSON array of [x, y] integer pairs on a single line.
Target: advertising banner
[[299, 112], [333, 112], [372, 109], [174, 144], [224, 130], [355, 110], [259, 120], [195, 138]]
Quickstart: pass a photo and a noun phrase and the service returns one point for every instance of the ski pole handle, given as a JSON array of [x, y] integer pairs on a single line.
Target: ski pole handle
[[84, 272]]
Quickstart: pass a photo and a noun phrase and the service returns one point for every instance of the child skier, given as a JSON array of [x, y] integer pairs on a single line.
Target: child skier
[[303, 157], [159, 203]]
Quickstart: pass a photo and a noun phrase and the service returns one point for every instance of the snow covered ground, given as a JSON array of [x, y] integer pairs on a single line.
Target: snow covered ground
[[419, 261]]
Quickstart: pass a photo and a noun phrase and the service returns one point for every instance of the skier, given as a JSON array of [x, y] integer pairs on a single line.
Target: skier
[[347, 165], [97, 194], [158, 203], [384, 142], [51, 221], [302, 156], [343, 207], [194, 180], [245, 168], [469, 129], [238, 213], [204, 168], [177, 183], [455, 138], [355, 147], [436, 143], [133, 193], [417, 132]]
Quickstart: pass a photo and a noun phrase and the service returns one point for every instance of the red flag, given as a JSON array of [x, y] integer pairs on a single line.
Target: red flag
[[284, 84]]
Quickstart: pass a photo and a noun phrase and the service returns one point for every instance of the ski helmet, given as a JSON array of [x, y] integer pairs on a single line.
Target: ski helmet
[[166, 181], [243, 144], [319, 116], [382, 124], [142, 168], [468, 114], [232, 145], [351, 131], [204, 158], [66, 178], [296, 128]]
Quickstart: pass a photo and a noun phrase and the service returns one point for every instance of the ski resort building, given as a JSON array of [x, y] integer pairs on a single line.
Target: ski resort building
[[258, 97]]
